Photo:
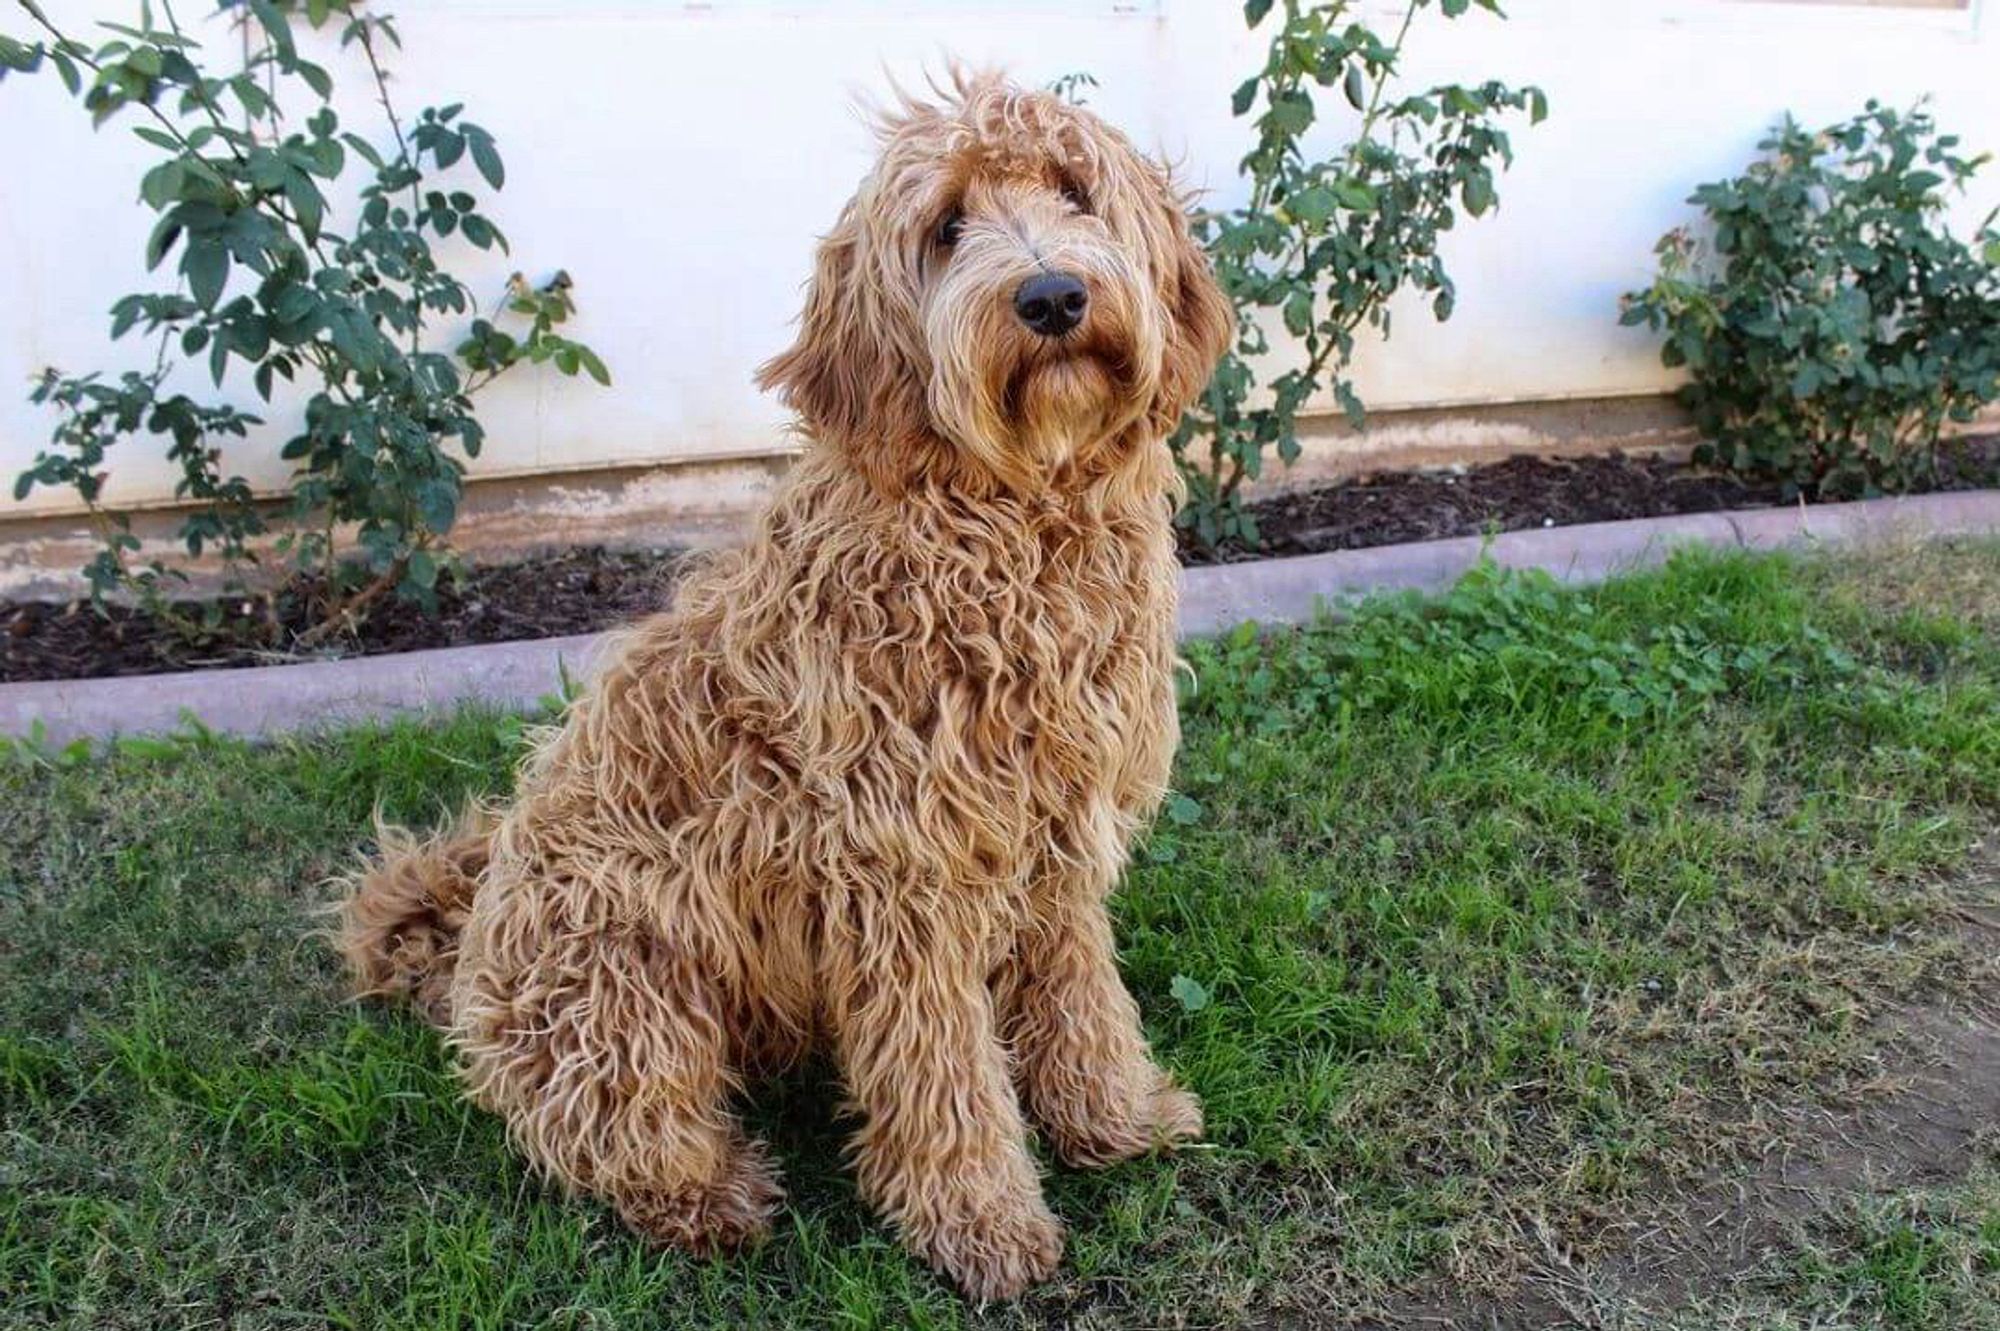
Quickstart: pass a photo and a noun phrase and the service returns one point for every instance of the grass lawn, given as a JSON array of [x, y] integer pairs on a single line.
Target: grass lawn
[[1473, 920]]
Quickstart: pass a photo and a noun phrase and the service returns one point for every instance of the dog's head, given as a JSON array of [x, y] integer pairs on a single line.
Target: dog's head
[[1011, 294]]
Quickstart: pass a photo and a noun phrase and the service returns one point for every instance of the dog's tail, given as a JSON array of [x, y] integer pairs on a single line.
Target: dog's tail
[[403, 910]]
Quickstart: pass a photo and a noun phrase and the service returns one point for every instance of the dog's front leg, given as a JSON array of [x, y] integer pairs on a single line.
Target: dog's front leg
[[1084, 1066], [943, 1149]]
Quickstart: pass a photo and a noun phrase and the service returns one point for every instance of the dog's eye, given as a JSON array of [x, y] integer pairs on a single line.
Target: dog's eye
[[948, 229], [1073, 194]]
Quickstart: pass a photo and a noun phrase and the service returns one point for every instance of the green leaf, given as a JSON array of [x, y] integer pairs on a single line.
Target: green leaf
[[163, 184], [206, 267], [593, 366], [306, 201], [1354, 195], [274, 23], [294, 303], [266, 169], [1298, 312], [165, 234], [363, 149], [1190, 993], [19, 56], [486, 157], [1291, 113], [1315, 204], [1478, 193], [1255, 10], [437, 505], [1355, 87], [422, 569], [316, 78], [1245, 94], [1182, 810], [447, 147]]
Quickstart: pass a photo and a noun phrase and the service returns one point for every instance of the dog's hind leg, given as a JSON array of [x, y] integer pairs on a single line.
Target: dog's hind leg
[[402, 915], [605, 1048]]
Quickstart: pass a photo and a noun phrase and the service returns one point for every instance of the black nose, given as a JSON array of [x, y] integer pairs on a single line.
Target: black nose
[[1051, 304]]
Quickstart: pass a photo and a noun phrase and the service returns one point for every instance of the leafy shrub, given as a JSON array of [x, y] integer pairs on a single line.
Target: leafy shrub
[[270, 287], [1829, 322], [1327, 242]]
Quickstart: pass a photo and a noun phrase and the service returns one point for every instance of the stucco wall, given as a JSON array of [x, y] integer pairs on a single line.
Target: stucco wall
[[679, 158]]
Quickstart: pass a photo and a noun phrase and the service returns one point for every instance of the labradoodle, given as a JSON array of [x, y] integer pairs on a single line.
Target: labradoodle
[[867, 784]]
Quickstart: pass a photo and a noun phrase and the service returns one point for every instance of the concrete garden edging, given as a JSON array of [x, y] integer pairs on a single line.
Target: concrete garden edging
[[265, 700]]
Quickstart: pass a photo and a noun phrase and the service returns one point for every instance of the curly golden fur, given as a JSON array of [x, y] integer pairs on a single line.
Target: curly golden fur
[[868, 784]]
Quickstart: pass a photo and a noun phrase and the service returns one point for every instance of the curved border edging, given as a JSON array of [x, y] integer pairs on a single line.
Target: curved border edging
[[262, 700]]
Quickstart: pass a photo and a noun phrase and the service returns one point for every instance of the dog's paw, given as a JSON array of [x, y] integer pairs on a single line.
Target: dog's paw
[[1158, 1118], [997, 1252], [1176, 1116], [729, 1212]]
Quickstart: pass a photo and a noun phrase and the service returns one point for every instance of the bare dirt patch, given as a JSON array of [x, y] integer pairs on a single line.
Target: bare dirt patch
[[1925, 1120]]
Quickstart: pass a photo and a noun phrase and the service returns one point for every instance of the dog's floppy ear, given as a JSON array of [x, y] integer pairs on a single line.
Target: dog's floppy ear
[[1200, 319], [846, 376]]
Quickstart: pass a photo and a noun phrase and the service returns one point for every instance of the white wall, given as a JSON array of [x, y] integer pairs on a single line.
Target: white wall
[[679, 158]]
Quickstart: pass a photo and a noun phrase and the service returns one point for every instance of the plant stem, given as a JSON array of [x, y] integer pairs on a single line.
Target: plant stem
[[1374, 111], [341, 615], [381, 77]]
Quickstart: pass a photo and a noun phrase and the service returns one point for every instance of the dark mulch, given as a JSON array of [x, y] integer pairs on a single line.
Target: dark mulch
[[1532, 492], [585, 589], [573, 591]]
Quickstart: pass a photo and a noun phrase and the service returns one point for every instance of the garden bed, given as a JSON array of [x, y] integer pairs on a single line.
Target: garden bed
[[585, 589], [1525, 492]]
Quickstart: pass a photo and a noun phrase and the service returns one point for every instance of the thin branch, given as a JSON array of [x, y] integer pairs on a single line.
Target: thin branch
[[342, 614], [381, 77]]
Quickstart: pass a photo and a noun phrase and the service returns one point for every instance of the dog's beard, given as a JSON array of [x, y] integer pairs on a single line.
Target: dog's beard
[[1030, 407], [1061, 399]]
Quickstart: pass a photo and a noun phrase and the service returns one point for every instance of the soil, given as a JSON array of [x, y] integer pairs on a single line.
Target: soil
[[571, 591], [584, 589], [1924, 1121], [1527, 492]]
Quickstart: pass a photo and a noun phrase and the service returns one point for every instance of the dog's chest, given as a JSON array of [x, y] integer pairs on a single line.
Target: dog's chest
[[1051, 680]]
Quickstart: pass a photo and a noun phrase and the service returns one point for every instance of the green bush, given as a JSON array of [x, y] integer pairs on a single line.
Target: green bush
[[273, 284], [1327, 241], [1829, 321]]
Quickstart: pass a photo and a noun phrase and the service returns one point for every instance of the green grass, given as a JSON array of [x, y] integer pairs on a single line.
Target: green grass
[[1471, 917]]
